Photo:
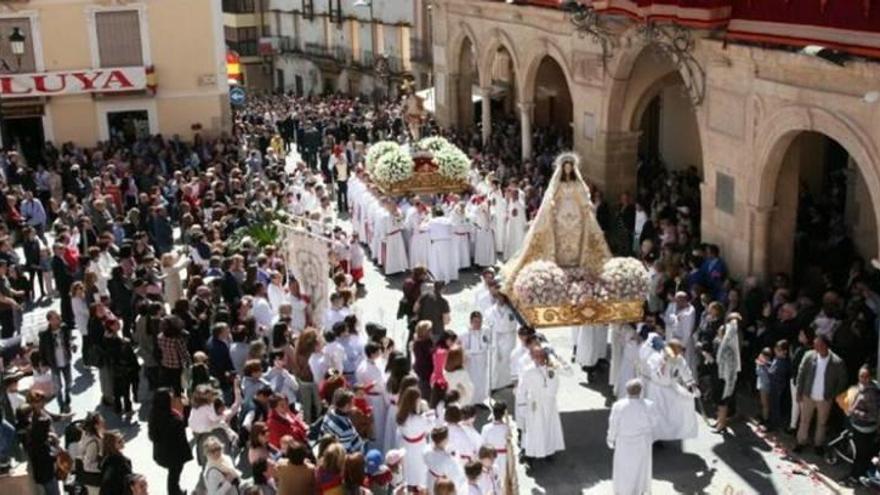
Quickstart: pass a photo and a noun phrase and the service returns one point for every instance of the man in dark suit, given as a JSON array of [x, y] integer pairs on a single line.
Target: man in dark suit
[[56, 350], [63, 276], [219, 359]]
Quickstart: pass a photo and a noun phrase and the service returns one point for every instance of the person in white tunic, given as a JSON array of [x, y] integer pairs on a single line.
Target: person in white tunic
[[440, 263], [419, 240], [484, 235], [539, 385], [414, 425], [502, 327], [496, 435], [372, 378], [631, 433], [515, 224], [592, 345], [393, 248], [483, 296], [441, 464], [460, 445], [671, 391], [475, 343], [462, 236], [498, 210], [629, 361], [681, 319]]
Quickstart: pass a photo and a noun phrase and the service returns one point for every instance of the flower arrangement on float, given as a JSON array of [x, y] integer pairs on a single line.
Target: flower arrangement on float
[[395, 165], [543, 284], [433, 165], [377, 151]]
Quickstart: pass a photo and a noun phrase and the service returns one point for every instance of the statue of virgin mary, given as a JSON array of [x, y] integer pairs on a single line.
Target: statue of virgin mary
[[565, 229]]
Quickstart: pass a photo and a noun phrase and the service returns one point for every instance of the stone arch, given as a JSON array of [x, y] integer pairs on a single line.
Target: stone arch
[[545, 48], [775, 137], [776, 134], [498, 38], [464, 32]]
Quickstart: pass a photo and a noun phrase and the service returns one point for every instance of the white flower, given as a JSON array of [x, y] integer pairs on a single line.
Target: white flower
[[394, 165], [433, 144], [541, 283], [452, 163], [377, 151], [625, 279]]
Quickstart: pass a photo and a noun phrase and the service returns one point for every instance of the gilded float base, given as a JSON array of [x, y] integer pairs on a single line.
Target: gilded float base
[[589, 313], [423, 183]]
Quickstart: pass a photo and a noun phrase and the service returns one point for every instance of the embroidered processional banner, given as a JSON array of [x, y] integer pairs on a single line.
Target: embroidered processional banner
[[308, 261]]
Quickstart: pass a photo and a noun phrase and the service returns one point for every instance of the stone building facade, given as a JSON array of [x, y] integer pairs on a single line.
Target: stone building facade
[[756, 121]]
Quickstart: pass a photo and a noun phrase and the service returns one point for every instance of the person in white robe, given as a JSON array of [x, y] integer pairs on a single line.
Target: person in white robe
[[483, 297], [592, 345], [653, 344], [462, 237], [496, 435], [498, 210], [442, 464], [618, 339], [629, 361], [414, 440], [520, 359], [460, 445], [371, 376], [393, 248], [631, 428], [671, 391], [441, 265], [484, 235], [475, 343], [681, 319], [539, 385], [516, 224], [502, 325]]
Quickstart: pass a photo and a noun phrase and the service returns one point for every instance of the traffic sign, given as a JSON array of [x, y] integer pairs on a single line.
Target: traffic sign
[[237, 96]]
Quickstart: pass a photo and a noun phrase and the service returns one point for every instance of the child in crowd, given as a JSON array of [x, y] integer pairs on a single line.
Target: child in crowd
[[496, 435], [762, 374], [356, 260]]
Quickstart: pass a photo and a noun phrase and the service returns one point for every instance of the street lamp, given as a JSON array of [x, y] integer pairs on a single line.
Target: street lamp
[[16, 42], [16, 45]]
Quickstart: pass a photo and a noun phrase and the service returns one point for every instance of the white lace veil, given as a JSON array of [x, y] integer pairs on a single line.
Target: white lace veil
[[540, 241]]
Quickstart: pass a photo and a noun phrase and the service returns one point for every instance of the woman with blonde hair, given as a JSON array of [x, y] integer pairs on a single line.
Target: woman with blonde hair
[[220, 475], [330, 469]]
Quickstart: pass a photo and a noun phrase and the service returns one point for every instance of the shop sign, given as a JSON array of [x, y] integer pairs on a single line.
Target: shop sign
[[109, 80]]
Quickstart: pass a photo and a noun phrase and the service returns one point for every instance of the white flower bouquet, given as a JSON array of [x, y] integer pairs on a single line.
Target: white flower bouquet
[[452, 163], [625, 279], [393, 166], [433, 144], [377, 151], [541, 283]]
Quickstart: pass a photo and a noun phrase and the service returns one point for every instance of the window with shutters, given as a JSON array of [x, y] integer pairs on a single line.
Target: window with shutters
[[10, 62], [119, 38]]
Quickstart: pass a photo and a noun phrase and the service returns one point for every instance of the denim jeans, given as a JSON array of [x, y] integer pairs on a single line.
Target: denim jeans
[[51, 487], [7, 442], [63, 393]]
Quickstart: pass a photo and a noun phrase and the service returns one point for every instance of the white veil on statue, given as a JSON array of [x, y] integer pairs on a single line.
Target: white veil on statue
[[541, 240]]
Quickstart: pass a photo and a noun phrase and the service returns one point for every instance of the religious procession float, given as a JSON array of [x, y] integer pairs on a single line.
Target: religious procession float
[[564, 275], [431, 165]]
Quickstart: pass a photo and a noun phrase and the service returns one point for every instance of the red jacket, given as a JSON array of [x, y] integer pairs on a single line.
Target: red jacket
[[289, 424]]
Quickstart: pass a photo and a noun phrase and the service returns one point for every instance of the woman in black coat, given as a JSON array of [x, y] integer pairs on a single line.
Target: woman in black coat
[[115, 468], [167, 430]]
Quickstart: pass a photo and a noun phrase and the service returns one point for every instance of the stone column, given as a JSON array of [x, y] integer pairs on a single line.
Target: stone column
[[486, 95], [759, 245], [525, 116]]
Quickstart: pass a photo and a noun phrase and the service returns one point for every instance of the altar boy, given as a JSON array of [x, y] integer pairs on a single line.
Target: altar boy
[[476, 347]]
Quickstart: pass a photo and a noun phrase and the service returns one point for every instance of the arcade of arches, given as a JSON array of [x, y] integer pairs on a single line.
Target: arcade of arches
[[777, 147]]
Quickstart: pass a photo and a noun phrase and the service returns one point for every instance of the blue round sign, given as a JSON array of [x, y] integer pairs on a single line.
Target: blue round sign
[[237, 95]]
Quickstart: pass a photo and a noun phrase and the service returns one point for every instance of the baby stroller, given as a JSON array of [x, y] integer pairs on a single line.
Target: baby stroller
[[842, 448]]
